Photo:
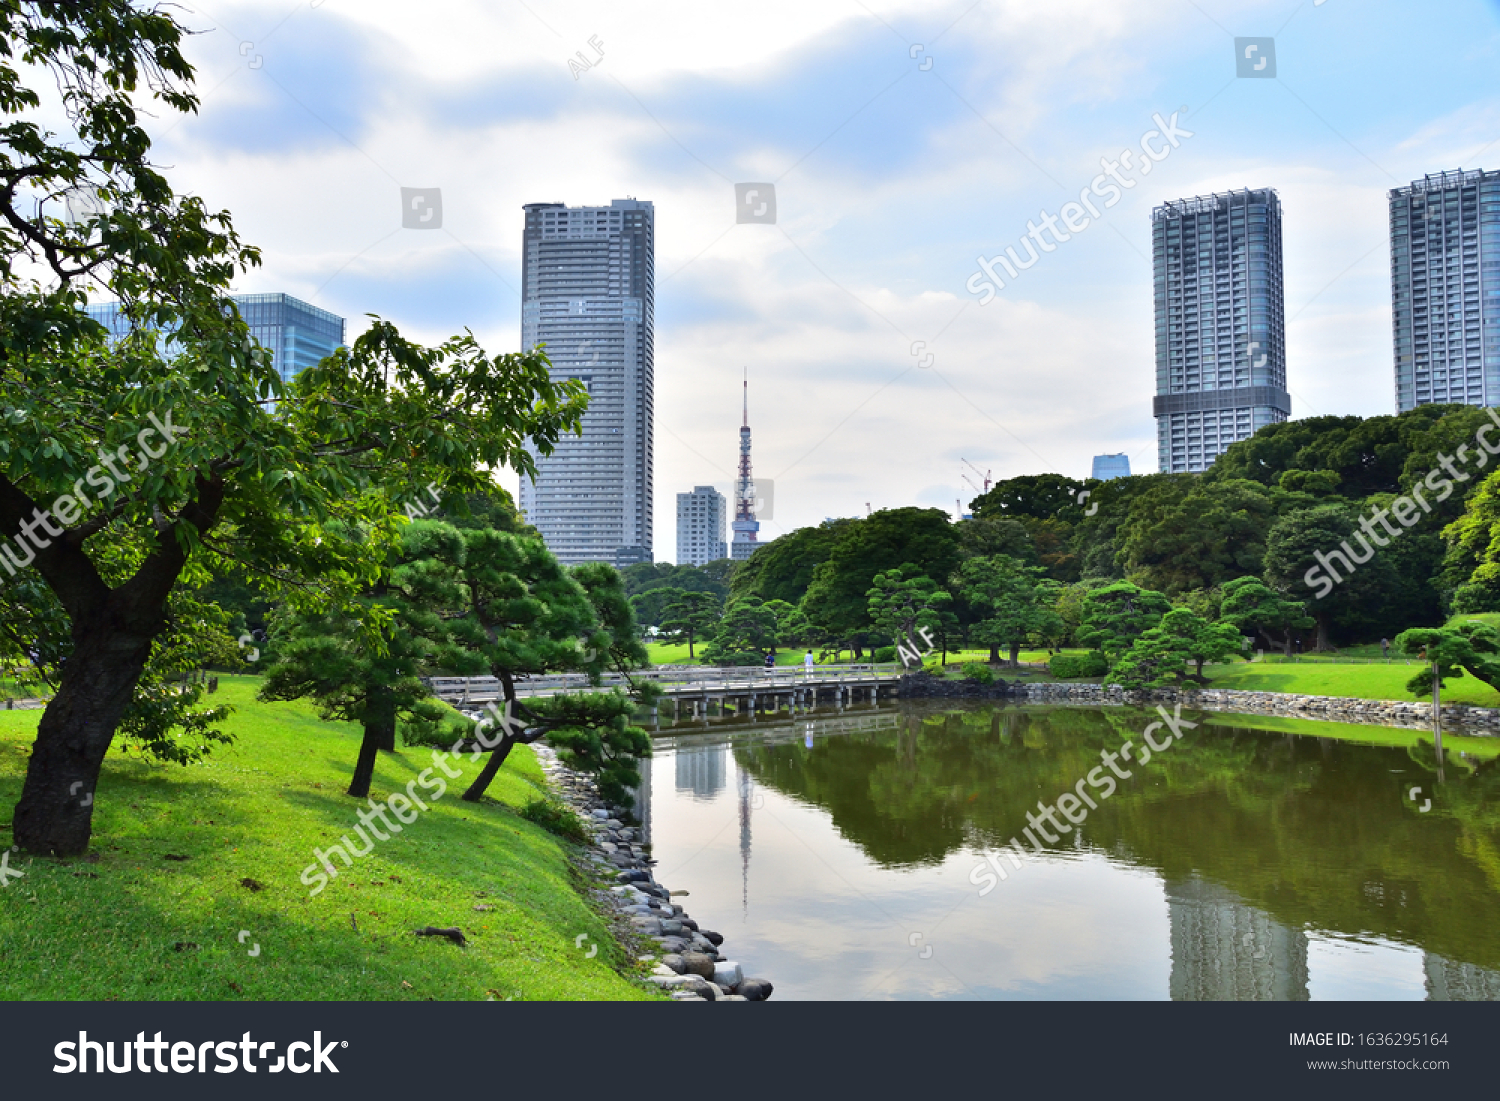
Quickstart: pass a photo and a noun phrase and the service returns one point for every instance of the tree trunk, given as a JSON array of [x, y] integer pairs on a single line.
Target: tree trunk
[[487, 773], [690, 647], [1015, 655], [364, 768], [380, 733], [994, 653], [1285, 643], [56, 811], [1322, 621]]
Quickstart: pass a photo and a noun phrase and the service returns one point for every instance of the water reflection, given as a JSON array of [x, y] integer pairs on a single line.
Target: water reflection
[[1202, 877], [1224, 950], [700, 769]]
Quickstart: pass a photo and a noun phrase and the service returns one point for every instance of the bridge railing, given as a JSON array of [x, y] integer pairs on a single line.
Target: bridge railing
[[711, 678]]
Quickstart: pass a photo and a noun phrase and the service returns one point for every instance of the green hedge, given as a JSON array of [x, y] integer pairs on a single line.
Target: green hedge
[[1068, 666], [978, 671]]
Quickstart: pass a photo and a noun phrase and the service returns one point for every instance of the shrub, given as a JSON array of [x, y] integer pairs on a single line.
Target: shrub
[[557, 818], [738, 658], [1068, 666], [885, 653], [978, 671]]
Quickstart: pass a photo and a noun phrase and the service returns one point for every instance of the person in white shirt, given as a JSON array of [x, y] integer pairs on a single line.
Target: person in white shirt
[[807, 664]]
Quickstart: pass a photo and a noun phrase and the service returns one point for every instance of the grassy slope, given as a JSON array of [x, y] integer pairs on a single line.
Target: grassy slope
[[107, 929], [1365, 682]]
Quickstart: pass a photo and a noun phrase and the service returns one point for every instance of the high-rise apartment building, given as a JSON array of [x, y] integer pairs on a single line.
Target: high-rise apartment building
[[1220, 324], [296, 334], [588, 295], [1445, 289], [1111, 466], [702, 519]]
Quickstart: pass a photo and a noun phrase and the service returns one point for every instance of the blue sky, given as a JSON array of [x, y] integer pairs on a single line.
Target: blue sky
[[891, 180]]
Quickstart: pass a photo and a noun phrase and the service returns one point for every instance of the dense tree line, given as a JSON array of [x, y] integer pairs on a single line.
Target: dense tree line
[[1274, 510]]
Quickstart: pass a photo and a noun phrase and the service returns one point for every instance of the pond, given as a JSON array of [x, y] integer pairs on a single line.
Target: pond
[[844, 856]]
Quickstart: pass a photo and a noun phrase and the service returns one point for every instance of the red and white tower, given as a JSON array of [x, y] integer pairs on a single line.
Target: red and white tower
[[746, 527]]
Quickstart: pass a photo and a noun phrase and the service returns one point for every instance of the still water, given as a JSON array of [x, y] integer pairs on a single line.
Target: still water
[[842, 856]]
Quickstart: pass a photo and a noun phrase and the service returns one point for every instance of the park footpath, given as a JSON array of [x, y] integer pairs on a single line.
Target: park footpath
[[688, 962]]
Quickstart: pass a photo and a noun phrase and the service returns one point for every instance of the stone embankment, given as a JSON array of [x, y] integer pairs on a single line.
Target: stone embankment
[[690, 965], [1413, 715]]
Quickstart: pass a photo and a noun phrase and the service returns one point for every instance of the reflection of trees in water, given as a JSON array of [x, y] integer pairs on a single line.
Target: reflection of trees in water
[[1312, 832]]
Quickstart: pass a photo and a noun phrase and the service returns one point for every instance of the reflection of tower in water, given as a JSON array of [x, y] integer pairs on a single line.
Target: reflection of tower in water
[[1226, 950], [744, 785], [700, 769], [1450, 981]]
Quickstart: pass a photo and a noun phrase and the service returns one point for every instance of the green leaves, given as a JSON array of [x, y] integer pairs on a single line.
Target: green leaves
[[1175, 650], [1250, 604], [1449, 651], [903, 600], [1008, 597], [1116, 615]]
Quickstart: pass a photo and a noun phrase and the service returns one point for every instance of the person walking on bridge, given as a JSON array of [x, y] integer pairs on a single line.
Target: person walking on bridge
[[807, 665]]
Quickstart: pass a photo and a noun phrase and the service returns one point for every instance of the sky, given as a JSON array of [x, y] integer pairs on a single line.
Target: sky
[[905, 140]]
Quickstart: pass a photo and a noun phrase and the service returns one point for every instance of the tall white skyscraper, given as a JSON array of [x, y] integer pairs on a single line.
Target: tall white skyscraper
[[1220, 324], [702, 517], [1445, 289], [588, 295]]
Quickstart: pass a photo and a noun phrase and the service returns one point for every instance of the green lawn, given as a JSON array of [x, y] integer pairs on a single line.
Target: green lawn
[[1492, 618], [128, 922], [1482, 748], [1365, 682]]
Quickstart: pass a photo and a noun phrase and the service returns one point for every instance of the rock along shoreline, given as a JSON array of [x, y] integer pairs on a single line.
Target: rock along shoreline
[[1458, 718], [690, 966]]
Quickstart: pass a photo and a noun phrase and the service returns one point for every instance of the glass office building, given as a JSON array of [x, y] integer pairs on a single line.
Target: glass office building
[[1445, 289], [588, 295], [1220, 324], [296, 334], [1110, 466]]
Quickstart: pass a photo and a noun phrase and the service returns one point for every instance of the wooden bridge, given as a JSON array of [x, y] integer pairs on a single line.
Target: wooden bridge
[[697, 693]]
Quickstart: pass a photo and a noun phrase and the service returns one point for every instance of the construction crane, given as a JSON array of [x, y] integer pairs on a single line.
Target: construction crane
[[868, 510], [986, 475], [970, 480]]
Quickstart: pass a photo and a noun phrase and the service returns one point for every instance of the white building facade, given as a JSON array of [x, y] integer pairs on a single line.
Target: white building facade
[[702, 519], [588, 295]]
